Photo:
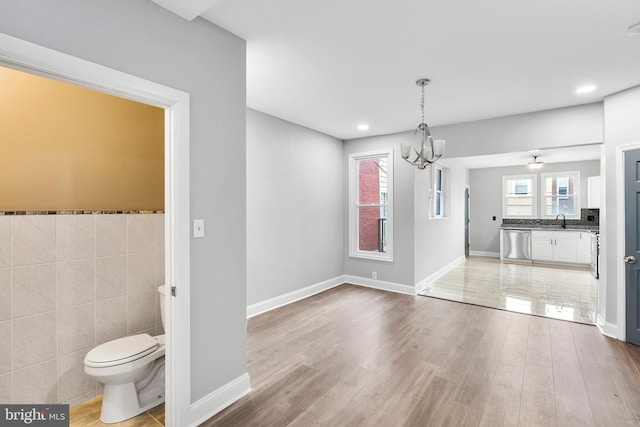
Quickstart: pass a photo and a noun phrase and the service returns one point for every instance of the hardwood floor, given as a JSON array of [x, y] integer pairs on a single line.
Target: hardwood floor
[[354, 356]]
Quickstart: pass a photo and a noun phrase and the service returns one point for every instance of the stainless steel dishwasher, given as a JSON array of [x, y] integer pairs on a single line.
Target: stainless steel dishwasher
[[516, 244]]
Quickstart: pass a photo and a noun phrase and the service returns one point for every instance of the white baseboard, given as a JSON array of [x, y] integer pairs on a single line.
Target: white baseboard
[[288, 298], [606, 328], [428, 281], [219, 399], [379, 284], [487, 254]]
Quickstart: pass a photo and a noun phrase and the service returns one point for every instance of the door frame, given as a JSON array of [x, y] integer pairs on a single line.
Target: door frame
[[621, 325], [467, 219], [36, 59]]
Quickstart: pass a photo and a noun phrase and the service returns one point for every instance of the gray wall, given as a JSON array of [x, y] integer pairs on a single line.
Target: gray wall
[[401, 269], [140, 38], [544, 129], [438, 241], [486, 198], [621, 127], [294, 207]]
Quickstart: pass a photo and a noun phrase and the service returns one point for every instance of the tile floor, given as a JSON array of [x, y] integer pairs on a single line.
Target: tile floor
[[87, 414], [542, 290]]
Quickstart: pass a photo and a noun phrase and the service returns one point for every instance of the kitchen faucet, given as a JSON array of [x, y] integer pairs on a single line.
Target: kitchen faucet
[[564, 220]]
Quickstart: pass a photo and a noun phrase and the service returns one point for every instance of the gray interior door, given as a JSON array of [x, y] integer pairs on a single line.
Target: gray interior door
[[466, 222], [632, 243]]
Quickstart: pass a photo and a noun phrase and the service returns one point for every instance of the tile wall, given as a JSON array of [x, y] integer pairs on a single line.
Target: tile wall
[[68, 283]]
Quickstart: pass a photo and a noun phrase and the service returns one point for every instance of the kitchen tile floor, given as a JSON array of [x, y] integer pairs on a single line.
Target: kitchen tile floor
[[541, 290]]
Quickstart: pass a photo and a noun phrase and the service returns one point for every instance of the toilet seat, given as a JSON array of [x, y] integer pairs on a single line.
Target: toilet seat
[[121, 351]]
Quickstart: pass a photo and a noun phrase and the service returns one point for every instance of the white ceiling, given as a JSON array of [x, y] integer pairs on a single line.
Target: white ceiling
[[331, 65]]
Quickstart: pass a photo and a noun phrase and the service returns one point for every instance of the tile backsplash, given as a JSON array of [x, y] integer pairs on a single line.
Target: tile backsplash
[[588, 218], [67, 283]]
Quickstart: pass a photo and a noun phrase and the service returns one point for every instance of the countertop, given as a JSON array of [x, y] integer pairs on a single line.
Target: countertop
[[543, 227]]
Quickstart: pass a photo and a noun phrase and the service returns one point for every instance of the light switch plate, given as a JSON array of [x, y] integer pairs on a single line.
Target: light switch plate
[[198, 228]]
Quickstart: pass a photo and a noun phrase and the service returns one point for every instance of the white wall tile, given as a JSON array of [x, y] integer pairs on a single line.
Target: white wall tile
[[159, 280], [158, 220], [36, 384], [5, 347], [5, 241], [72, 380], [111, 235], [70, 282], [76, 328], [111, 277], [80, 399], [158, 315], [140, 312], [76, 283], [34, 339], [33, 239], [111, 319], [140, 233], [74, 237], [33, 289], [6, 385], [5, 291], [141, 272]]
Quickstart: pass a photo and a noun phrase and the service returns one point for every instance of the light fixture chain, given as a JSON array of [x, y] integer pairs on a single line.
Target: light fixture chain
[[422, 104]]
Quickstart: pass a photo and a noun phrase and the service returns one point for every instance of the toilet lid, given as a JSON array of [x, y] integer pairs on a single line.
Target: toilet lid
[[121, 350]]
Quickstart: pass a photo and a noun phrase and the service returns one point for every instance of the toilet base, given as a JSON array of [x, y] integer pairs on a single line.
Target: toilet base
[[123, 401]]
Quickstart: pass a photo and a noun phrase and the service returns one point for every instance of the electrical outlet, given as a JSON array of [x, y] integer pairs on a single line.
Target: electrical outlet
[[374, 274]]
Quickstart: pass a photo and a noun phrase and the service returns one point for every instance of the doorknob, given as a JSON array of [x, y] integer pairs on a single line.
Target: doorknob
[[630, 259]]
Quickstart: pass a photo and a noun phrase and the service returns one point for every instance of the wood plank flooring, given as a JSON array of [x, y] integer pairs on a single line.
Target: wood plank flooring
[[354, 356]]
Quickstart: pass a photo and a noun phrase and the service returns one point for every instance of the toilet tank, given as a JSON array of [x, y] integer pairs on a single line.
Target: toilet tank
[[161, 291]]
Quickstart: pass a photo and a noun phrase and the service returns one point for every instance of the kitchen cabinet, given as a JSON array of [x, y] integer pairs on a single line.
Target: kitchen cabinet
[[542, 245], [584, 248], [557, 246], [593, 192]]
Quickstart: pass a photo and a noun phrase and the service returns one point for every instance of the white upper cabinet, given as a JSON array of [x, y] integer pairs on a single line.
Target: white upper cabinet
[[593, 192]]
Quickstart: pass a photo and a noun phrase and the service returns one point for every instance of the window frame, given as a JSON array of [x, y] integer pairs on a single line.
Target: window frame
[[354, 206], [434, 192], [576, 193], [534, 195]]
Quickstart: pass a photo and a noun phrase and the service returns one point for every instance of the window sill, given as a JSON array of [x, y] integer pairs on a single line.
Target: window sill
[[372, 257]]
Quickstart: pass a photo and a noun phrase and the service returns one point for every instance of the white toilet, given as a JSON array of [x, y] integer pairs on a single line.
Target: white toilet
[[132, 371]]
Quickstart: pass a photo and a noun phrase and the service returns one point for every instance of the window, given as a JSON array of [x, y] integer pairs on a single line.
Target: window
[[519, 196], [561, 194], [371, 205], [439, 178]]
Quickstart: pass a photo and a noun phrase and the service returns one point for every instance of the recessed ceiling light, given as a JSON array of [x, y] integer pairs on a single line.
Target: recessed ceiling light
[[362, 127], [586, 89]]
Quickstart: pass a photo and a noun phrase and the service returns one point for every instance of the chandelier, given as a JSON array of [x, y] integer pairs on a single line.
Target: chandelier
[[427, 149]]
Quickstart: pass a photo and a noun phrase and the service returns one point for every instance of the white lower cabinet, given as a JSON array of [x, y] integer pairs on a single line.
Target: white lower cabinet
[[542, 245], [560, 246], [584, 248]]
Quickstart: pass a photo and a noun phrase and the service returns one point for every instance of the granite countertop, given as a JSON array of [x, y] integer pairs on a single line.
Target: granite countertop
[[545, 227]]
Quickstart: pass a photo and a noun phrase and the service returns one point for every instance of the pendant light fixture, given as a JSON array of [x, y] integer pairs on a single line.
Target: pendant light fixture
[[427, 149]]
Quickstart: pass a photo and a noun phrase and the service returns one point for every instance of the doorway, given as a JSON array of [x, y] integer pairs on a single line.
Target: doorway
[[34, 59]]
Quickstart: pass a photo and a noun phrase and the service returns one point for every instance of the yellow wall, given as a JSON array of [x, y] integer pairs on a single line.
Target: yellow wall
[[67, 147]]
